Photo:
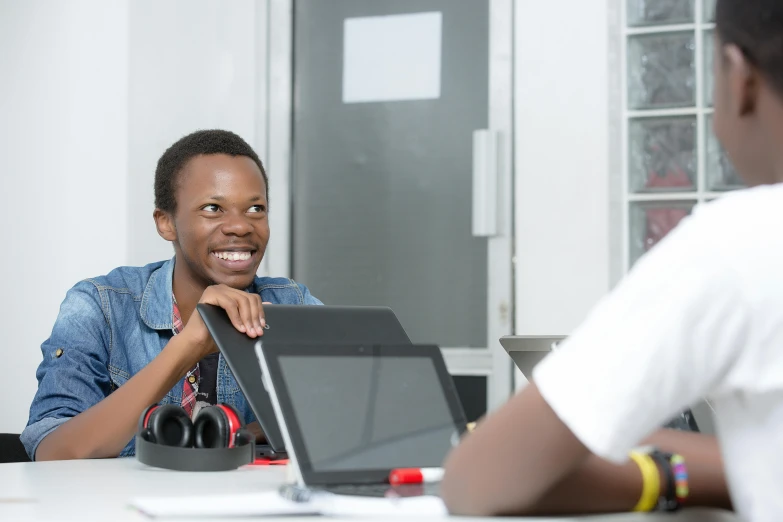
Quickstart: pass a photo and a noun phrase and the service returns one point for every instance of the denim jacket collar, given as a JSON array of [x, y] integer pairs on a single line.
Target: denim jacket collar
[[157, 310]]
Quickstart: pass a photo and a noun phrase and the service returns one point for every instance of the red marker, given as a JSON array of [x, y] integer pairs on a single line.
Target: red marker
[[415, 476]]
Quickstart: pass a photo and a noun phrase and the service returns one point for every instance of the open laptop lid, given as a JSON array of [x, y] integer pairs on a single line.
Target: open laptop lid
[[350, 414], [295, 324], [528, 350]]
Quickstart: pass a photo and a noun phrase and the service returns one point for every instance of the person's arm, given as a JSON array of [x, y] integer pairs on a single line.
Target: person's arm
[[105, 428], [557, 474], [668, 335], [599, 486], [512, 460]]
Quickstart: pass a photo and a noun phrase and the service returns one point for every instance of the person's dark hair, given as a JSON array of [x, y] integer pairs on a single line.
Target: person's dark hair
[[187, 148], [756, 27]]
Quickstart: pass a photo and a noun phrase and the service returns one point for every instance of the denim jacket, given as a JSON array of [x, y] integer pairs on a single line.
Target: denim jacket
[[108, 329]]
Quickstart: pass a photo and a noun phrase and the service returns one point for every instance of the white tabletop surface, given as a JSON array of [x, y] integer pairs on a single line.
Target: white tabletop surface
[[99, 490]]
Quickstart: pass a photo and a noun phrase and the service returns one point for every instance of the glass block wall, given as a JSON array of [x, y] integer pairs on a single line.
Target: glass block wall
[[672, 159]]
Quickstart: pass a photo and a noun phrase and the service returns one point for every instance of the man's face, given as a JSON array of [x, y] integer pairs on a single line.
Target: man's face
[[221, 219]]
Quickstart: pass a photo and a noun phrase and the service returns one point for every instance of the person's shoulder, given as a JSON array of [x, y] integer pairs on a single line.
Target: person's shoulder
[[123, 279], [282, 290], [749, 217], [743, 233], [741, 209]]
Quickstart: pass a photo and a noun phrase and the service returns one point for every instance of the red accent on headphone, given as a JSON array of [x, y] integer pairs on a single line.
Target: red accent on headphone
[[233, 424], [147, 417]]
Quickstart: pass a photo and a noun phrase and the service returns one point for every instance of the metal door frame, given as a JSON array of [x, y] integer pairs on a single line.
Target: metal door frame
[[491, 362]]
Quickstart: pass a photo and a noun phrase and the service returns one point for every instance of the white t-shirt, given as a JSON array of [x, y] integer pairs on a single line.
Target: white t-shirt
[[700, 316]]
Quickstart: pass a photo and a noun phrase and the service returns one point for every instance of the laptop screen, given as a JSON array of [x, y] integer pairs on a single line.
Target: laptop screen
[[360, 409], [369, 412]]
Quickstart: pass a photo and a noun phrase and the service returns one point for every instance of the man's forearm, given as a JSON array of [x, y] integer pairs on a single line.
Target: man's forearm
[[599, 486], [105, 429]]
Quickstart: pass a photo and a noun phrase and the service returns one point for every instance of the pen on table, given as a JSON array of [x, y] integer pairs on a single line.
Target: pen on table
[[415, 476]]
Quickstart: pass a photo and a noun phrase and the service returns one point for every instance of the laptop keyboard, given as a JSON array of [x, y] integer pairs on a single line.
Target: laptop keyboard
[[362, 490], [383, 490]]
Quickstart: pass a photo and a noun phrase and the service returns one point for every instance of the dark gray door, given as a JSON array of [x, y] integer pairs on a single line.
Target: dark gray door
[[401, 200], [383, 190]]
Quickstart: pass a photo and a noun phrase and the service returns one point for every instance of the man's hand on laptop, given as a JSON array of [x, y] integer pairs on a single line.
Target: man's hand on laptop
[[245, 310]]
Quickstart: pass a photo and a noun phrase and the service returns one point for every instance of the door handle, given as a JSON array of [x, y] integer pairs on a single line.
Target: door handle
[[485, 182]]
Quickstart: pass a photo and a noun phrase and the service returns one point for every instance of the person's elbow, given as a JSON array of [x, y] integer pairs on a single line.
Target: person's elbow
[[467, 492], [52, 447], [461, 501], [63, 444], [42, 440]]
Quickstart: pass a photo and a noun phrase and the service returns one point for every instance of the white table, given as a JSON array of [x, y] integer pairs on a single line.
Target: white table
[[99, 490]]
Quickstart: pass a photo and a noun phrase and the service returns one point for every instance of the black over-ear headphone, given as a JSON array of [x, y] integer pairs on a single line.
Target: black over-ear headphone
[[217, 440]]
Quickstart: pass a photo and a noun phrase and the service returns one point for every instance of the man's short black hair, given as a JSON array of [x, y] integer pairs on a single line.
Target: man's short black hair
[[186, 148], [756, 27]]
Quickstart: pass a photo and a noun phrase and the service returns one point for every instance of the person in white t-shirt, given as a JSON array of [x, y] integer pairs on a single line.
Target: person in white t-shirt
[[701, 315]]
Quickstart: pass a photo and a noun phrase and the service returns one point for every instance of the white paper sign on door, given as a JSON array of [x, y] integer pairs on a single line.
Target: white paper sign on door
[[392, 58]]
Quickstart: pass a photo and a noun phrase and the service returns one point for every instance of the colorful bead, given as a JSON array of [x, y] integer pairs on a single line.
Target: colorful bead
[[680, 473]]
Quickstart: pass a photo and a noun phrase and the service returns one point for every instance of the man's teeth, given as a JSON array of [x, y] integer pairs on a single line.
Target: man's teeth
[[233, 256]]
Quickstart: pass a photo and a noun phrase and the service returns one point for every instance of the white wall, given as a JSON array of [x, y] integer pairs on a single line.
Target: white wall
[[193, 65], [562, 162], [63, 166], [91, 94]]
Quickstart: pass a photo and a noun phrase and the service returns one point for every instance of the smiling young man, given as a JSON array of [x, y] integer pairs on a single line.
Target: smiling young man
[[132, 338], [700, 315]]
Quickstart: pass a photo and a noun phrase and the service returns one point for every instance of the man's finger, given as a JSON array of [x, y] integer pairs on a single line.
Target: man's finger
[[246, 311], [256, 313], [232, 309]]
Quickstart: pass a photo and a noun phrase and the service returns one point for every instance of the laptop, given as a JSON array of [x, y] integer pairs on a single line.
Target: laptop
[[528, 350], [350, 414], [293, 324]]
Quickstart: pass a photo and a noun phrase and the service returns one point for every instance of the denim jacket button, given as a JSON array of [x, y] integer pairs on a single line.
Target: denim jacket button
[[58, 352]]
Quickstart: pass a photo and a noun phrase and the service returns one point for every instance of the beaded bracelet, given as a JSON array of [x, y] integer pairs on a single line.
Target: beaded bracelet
[[676, 474], [680, 477]]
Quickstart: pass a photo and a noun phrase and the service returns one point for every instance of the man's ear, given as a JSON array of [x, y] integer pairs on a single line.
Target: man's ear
[[744, 81], [165, 225]]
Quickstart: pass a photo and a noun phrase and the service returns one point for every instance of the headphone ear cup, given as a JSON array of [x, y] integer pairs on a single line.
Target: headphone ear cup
[[217, 427], [141, 429], [169, 425]]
